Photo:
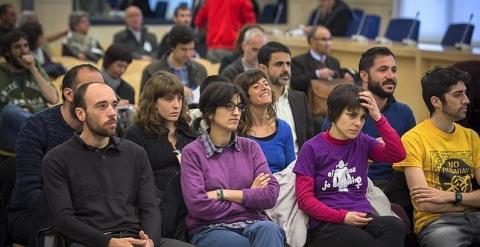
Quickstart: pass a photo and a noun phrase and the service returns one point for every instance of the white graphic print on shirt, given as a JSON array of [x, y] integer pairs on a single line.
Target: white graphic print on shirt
[[342, 177]]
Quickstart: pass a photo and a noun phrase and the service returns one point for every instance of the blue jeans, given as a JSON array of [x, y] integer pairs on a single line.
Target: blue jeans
[[258, 234], [11, 119], [452, 230]]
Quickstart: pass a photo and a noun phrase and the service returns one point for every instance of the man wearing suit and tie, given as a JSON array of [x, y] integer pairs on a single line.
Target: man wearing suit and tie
[[274, 60], [317, 64]]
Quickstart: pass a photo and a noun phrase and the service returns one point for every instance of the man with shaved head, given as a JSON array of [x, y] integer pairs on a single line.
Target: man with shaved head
[[42, 132], [142, 44], [100, 188]]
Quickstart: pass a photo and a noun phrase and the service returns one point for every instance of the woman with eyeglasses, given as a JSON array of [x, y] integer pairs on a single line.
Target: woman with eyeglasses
[[225, 179], [161, 126], [260, 122], [331, 169]]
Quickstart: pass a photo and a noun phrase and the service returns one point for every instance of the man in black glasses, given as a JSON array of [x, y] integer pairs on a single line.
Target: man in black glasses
[[317, 65]]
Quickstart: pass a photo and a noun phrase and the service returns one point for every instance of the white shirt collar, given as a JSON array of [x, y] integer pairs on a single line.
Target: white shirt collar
[[318, 56]]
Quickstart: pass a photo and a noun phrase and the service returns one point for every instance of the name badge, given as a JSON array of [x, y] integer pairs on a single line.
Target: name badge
[[147, 46]]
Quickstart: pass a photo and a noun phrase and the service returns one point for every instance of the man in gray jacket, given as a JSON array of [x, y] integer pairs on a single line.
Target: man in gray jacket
[[135, 36]]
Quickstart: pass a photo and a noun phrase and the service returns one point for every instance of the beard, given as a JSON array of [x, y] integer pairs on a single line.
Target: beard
[[100, 130], [14, 62], [277, 80], [456, 115], [376, 88]]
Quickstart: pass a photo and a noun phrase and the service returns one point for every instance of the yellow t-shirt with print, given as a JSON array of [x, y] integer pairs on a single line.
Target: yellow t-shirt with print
[[448, 160]]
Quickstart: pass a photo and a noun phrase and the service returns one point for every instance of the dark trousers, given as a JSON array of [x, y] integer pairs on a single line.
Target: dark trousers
[[382, 231], [164, 242], [24, 225]]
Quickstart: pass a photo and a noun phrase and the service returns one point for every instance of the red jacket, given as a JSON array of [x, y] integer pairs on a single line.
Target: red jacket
[[223, 19]]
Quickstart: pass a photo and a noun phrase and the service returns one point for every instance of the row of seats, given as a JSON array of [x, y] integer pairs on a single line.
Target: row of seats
[[398, 29]]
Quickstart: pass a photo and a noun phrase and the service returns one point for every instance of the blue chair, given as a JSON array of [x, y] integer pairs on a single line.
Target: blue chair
[[400, 28], [161, 10], [369, 25], [270, 11], [357, 15], [457, 33]]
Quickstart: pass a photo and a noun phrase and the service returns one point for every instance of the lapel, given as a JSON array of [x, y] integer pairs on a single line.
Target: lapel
[[294, 105], [132, 37]]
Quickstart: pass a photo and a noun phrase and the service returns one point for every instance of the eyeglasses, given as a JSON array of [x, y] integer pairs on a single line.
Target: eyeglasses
[[231, 106]]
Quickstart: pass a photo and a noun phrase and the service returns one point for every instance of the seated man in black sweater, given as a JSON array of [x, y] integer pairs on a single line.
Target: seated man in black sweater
[[40, 133], [100, 188]]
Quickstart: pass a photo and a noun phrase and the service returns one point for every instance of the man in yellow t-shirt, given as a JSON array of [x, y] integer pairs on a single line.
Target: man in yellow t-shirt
[[442, 166]]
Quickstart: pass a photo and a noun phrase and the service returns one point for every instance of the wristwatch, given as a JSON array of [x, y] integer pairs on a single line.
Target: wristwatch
[[458, 197]]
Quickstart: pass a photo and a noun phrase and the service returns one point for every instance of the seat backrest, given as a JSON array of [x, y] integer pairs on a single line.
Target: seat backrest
[[401, 28], [371, 26], [268, 13], [456, 32], [161, 10], [357, 15]]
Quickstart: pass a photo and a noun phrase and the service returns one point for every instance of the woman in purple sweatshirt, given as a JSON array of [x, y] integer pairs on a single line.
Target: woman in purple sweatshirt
[[225, 179], [331, 170]]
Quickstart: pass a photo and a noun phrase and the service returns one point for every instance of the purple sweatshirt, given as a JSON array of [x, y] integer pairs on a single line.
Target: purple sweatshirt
[[233, 168], [334, 172]]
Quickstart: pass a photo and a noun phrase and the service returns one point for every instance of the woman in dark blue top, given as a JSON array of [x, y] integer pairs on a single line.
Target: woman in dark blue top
[[261, 124]]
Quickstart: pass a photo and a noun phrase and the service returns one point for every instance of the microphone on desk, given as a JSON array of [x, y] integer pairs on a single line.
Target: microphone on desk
[[276, 20], [462, 45], [408, 40], [357, 36]]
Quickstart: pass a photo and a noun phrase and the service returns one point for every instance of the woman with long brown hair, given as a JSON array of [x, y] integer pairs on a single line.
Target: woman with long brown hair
[[161, 126], [260, 122]]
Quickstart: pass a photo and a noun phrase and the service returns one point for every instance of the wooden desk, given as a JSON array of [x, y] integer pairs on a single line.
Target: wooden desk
[[412, 61]]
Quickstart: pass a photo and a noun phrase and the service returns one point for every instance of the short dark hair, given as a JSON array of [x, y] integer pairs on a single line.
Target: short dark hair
[[180, 35], [368, 57], [34, 31], [116, 52], [180, 7], [344, 96], [13, 36], [218, 93], [266, 51], [438, 81], [70, 78], [4, 7], [211, 79]]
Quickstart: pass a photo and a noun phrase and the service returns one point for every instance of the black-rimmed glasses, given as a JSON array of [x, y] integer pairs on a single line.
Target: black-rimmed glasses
[[231, 106]]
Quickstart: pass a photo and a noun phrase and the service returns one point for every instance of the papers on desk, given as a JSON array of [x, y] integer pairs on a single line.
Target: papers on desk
[[430, 47]]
